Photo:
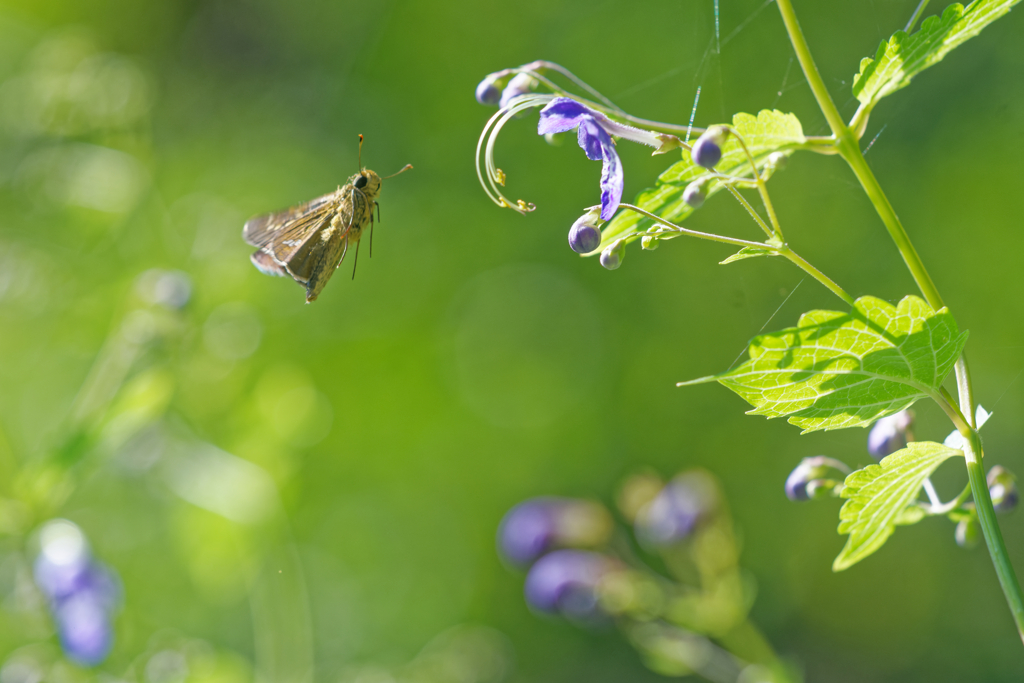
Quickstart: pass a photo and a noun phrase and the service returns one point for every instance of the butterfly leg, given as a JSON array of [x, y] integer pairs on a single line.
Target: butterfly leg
[[355, 262]]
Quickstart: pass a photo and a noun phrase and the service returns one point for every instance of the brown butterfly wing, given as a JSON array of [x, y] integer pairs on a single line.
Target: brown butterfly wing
[[262, 230]]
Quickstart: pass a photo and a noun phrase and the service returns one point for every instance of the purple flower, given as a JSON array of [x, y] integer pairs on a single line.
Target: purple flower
[[889, 434], [566, 582], [595, 131], [678, 509], [83, 624], [81, 592], [528, 530], [535, 526]]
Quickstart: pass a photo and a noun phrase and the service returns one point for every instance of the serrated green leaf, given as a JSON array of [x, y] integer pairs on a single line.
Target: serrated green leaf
[[880, 497], [836, 370], [903, 56], [768, 132]]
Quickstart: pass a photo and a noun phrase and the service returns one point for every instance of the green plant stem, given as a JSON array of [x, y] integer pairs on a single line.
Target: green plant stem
[[753, 214], [761, 187], [849, 149], [784, 250], [802, 263], [694, 233], [916, 15]]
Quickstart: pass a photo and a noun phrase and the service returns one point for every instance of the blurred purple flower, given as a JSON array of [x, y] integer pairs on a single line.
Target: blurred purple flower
[[595, 131], [83, 624], [889, 434], [566, 582], [678, 509], [528, 530], [538, 525], [82, 593]]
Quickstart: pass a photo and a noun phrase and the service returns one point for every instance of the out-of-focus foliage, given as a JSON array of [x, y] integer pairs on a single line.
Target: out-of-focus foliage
[[325, 481]]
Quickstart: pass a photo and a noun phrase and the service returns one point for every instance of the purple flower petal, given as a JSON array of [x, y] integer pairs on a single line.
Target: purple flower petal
[[561, 114], [598, 145]]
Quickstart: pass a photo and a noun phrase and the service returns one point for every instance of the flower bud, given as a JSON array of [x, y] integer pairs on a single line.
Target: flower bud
[[585, 233], [968, 532], [678, 509], [694, 194], [538, 525], [488, 91], [650, 242], [611, 257], [555, 139], [1002, 486], [521, 84], [81, 592], [776, 162], [889, 434], [807, 481], [707, 151], [566, 582]]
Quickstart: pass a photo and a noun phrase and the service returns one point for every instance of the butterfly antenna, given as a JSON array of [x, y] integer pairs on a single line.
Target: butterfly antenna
[[360, 152], [407, 167], [371, 237]]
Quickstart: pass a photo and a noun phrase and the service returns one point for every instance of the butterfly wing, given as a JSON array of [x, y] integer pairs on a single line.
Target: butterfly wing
[[262, 230]]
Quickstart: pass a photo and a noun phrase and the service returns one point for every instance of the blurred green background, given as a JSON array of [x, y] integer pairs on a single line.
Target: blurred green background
[[475, 361]]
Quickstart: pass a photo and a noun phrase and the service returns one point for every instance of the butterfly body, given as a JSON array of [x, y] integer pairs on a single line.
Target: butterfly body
[[308, 242]]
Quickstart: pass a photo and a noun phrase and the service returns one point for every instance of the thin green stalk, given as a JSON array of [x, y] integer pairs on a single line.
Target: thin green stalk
[[694, 233], [753, 214], [761, 187], [846, 143], [916, 15], [802, 263], [990, 528]]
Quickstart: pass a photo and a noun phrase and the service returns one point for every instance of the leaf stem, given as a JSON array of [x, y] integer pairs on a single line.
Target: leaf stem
[[746, 205], [761, 188], [694, 233], [847, 145], [916, 15], [802, 263]]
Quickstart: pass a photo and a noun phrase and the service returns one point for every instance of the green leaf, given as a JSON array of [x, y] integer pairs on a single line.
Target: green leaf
[[836, 370], [904, 56], [748, 252], [766, 133], [880, 497], [753, 252]]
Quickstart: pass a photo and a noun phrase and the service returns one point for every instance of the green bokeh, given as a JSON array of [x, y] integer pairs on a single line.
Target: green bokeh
[[475, 361]]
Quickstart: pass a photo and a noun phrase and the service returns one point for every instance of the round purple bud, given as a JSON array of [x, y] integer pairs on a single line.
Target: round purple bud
[[694, 193], [889, 434], [678, 509], [83, 624], [585, 234], [521, 84], [487, 92], [707, 151], [1002, 486], [528, 531], [611, 257], [807, 480], [62, 566], [566, 582]]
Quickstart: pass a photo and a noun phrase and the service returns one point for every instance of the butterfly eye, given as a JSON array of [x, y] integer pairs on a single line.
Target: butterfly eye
[[360, 182]]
